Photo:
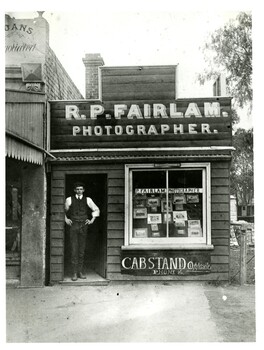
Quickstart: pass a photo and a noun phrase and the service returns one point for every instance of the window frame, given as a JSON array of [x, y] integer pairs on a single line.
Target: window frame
[[165, 242]]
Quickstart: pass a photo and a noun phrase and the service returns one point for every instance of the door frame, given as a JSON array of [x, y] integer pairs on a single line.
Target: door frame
[[85, 170]]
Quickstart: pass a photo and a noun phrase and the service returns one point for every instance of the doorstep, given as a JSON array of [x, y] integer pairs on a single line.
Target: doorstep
[[92, 279]]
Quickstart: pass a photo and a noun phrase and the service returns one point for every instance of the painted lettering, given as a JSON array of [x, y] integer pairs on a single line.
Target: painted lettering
[[178, 129], [119, 110], [134, 111], [96, 110], [142, 263], [87, 131], [164, 128], [134, 264], [118, 130], [191, 128], [129, 130], [159, 110], [212, 109], [75, 130], [98, 131], [72, 112], [141, 130], [205, 128], [124, 263], [108, 129], [173, 111], [147, 111], [152, 130], [21, 28], [192, 110]]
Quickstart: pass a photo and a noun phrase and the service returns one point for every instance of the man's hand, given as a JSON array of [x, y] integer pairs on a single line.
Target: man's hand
[[89, 222], [68, 221]]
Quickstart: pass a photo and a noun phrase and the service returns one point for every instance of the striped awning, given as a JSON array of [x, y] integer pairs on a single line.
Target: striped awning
[[20, 151]]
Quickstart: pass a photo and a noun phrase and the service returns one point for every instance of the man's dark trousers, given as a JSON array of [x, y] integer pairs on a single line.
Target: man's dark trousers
[[78, 233]]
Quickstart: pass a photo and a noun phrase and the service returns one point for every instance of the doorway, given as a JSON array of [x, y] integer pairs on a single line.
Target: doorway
[[95, 252]]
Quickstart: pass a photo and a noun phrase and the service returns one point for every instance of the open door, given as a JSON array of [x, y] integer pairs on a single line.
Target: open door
[[95, 253]]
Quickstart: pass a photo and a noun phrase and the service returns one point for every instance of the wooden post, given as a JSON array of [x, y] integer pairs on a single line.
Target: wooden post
[[243, 256]]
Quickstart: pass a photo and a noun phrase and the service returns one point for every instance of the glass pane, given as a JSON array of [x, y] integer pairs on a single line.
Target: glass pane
[[149, 192], [186, 201]]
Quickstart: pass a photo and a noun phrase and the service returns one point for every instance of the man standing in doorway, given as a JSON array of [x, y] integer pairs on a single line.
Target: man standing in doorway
[[77, 208]]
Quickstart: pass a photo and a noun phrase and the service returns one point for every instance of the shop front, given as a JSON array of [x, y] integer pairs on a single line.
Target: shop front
[[159, 171]]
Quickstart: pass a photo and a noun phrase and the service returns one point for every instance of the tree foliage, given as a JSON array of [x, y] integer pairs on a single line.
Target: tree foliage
[[242, 167], [229, 50]]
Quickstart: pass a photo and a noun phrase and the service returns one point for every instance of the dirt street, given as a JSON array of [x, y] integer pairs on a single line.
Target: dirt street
[[132, 312]]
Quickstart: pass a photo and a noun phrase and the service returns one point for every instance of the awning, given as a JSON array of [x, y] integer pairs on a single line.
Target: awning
[[20, 151]]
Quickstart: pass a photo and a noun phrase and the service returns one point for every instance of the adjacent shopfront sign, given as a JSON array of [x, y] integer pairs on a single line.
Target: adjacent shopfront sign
[[165, 263], [83, 124], [25, 40]]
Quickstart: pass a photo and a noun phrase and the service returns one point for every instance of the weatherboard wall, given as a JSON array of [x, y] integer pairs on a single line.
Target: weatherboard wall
[[220, 221]]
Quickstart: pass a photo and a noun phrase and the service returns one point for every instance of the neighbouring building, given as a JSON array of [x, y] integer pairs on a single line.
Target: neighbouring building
[[33, 75], [156, 165]]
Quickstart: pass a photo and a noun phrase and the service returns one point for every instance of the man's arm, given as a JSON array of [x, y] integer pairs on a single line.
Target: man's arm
[[67, 207], [95, 211]]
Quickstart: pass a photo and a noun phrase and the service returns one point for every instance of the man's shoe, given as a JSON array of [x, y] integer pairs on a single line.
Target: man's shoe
[[74, 277], [82, 276]]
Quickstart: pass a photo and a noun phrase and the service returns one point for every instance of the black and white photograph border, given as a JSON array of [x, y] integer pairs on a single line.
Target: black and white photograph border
[[140, 33]]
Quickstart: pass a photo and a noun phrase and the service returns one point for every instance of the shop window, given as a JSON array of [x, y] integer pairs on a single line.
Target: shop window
[[168, 205], [13, 211]]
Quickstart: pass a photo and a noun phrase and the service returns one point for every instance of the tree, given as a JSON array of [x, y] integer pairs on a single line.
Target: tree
[[229, 50], [242, 168]]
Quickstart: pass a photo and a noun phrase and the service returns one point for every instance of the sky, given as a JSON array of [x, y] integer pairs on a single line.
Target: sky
[[157, 34]]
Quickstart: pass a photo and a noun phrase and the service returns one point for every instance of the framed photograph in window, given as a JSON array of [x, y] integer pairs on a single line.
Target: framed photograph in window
[[155, 234], [192, 198], [139, 203], [179, 223], [154, 218], [153, 202], [164, 206], [194, 223], [154, 227], [180, 215], [167, 217], [179, 198], [140, 232], [195, 232], [140, 213], [153, 209]]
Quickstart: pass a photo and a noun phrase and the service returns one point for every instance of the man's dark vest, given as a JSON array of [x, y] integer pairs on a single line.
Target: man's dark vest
[[79, 210]]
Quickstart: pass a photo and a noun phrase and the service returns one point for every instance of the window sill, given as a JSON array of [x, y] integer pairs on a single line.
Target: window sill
[[168, 247]]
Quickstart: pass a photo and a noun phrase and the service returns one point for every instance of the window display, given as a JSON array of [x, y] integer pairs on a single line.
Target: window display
[[169, 205]]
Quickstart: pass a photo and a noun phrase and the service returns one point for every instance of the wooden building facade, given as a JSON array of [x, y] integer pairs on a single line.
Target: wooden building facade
[[158, 168]]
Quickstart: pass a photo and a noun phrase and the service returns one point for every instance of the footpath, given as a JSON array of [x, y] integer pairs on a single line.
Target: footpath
[[131, 312]]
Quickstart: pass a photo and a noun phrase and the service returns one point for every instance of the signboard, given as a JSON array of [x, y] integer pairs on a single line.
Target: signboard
[[25, 40], [197, 122], [165, 263]]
